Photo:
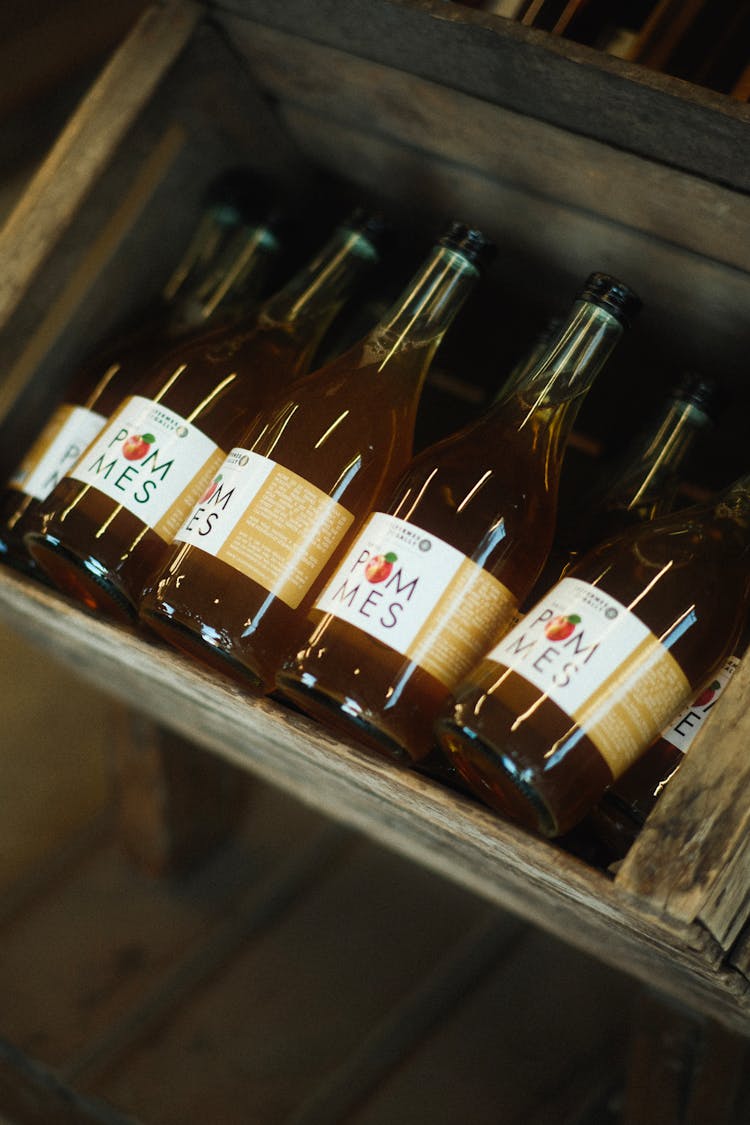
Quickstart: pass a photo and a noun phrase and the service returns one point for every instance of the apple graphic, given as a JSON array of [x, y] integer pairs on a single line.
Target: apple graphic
[[560, 628], [707, 694], [211, 489], [379, 567], [137, 446]]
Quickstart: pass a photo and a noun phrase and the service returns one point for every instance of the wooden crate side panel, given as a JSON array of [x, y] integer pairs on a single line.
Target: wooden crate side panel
[[415, 817], [544, 76], [87, 143], [543, 160], [692, 858]]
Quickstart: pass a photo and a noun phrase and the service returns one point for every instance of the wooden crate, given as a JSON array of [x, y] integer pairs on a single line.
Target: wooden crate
[[572, 161]]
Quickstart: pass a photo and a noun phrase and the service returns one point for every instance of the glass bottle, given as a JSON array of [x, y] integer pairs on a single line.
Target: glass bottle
[[107, 526], [253, 555], [226, 260], [639, 485], [436, 575], [580, 688], [622, 811]]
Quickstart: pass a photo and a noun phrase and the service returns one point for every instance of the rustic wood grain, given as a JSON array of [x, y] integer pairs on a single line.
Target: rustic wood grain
[[410, 814], [87, 142], [103, 951], [556, 80], [692, 858], [511, 148]]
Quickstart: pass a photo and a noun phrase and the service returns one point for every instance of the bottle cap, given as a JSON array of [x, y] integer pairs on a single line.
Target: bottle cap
[[470, 242], [699, 390], [372, 224], [239, 195], [606, 291]]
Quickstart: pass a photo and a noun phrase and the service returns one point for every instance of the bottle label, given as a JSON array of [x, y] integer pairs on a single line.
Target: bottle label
[[420, 596], [56, 450], [268, 523], [683, 730], [152, 462], [601, 665]]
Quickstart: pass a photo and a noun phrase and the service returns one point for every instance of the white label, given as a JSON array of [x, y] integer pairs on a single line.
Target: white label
[[56, 450], [145, 458], [268, 523], [391, 580], [573, 640], [601, 665], [228, 495], [420, 596], [683, 730]]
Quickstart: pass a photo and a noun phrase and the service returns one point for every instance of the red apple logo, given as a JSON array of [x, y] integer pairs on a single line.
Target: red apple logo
[[137, 446], [379, 567], [211, 489], [560, 628], [707, 695]]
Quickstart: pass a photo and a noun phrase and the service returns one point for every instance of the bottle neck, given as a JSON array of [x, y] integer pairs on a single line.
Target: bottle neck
[[546, 401], [429, 303], [645, 480], [230, 278], [311, 299]]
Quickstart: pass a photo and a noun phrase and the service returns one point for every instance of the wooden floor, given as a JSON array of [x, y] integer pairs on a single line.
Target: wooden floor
[[301, 975]]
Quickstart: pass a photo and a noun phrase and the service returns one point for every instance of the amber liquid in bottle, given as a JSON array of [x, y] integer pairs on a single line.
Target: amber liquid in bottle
[[325, 454], [685, 579], [639, 485], [489, 495], [227, 257], [108, 525], [620, 815]]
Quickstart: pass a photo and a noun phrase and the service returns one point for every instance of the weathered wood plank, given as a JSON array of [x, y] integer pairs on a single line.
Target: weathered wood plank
[[103, 952], [88, 141], [544, 76], [410, 814], [296, 1000], [692, 858], [540, 1041], [511, 148]]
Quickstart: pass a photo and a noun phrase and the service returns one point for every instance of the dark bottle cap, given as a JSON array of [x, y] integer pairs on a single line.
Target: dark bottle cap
[[470, 242], [606, 291], [699, 390], [239, 195], [372, 224]]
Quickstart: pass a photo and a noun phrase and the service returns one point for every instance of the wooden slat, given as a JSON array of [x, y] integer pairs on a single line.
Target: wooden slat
[[406, 812], [692, 858], [544, 76], [87, 143], [512, 149], [103, 952]]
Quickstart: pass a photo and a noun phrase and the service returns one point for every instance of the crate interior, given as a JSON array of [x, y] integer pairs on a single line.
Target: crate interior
[[333, 128]]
